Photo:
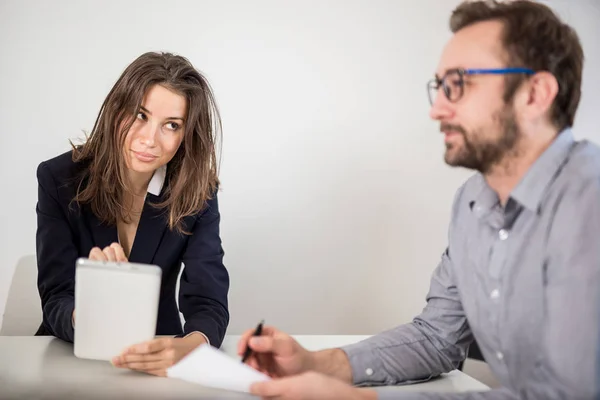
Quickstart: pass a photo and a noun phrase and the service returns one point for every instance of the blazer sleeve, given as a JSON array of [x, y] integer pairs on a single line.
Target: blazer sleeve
[[204, 281], [56, 255]]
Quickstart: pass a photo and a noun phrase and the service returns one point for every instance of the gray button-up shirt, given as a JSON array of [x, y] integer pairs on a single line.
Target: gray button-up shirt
[[523, 280]]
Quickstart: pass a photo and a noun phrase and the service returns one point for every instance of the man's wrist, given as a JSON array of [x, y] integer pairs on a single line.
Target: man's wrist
[[332, 362]]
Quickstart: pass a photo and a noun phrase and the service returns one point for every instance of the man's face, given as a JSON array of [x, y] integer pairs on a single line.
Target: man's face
[[479, 127]]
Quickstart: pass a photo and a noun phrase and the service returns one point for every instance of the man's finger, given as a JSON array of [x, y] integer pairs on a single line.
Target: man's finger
[[270, 344], [270, 388], [243, 342], [261, 344], [253, 363]]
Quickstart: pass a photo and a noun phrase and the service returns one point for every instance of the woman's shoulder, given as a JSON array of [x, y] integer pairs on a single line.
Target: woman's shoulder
[[62, 169]]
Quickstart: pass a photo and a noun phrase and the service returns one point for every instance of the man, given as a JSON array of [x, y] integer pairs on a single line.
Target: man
[[521, 273]]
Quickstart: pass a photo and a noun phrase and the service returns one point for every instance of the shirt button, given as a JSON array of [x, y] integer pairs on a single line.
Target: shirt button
[[495, 294], [369, 372], [503, 234], [499, 355]]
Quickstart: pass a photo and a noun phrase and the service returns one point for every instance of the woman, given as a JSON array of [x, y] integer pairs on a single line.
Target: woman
[[141, 188]]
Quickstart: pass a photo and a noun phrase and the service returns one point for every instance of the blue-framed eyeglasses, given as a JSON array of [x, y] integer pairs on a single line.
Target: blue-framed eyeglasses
[[453, 81]]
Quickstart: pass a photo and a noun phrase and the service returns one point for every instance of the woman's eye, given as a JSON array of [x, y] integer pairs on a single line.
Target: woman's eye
[[173, 126], [142, 116]]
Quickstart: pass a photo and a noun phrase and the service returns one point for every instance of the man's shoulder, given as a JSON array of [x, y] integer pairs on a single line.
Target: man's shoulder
[[583, 163], [576, 185]]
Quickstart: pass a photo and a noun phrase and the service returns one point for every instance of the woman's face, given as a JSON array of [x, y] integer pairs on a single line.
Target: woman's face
[[157, 131]]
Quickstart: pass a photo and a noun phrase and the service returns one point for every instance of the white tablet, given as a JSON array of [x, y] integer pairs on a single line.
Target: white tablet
[[116, 306]]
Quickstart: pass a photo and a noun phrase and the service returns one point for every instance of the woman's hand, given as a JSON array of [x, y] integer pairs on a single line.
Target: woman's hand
[[114, 252], [155, 356]]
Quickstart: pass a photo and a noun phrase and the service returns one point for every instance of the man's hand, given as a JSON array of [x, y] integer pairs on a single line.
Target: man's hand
[[275, 353], [155, 356], [308, 386]]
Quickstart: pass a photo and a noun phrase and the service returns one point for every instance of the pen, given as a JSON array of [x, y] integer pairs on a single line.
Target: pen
[[257, 332]]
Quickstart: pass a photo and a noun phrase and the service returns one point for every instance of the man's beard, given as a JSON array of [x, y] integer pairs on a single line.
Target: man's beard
[[479, 152]]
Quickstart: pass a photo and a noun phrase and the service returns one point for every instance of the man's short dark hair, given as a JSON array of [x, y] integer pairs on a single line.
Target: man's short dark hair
[[533, 37]]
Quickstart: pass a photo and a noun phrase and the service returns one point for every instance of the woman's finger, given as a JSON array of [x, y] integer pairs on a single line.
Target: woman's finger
[[137, 358], [119, 252], [97, 254], [145, 366], [109, 252]]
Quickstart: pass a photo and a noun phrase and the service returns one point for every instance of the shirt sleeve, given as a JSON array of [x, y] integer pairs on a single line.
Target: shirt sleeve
[[435, 342]]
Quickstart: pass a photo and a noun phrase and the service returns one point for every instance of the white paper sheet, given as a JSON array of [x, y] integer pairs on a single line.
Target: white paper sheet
[[208, 366]]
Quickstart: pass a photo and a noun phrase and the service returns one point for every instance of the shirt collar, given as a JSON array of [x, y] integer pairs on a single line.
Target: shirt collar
[[530, 190], [484, 198], [157, 181]]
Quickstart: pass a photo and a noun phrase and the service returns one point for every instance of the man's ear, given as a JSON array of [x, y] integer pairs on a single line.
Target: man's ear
[[537, 95]]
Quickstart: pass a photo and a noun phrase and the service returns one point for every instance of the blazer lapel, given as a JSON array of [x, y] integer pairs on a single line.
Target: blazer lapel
[[102, 233], [150, 231]]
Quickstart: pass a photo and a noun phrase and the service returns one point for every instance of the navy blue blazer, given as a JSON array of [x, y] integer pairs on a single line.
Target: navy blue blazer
[[66, 231]]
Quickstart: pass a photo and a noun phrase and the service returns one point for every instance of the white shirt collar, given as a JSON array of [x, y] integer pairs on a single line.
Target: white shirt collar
[[157, 181]]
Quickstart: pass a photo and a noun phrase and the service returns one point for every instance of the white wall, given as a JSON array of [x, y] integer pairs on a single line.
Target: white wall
[[335, 196]]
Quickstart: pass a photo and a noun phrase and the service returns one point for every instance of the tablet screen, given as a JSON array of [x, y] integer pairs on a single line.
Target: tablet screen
[[116, 306]]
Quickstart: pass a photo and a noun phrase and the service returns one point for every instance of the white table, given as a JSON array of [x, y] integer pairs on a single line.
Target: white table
[[45, 367]]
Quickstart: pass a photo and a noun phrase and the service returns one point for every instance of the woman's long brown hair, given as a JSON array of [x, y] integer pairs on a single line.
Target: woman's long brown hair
[[192, 176]]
